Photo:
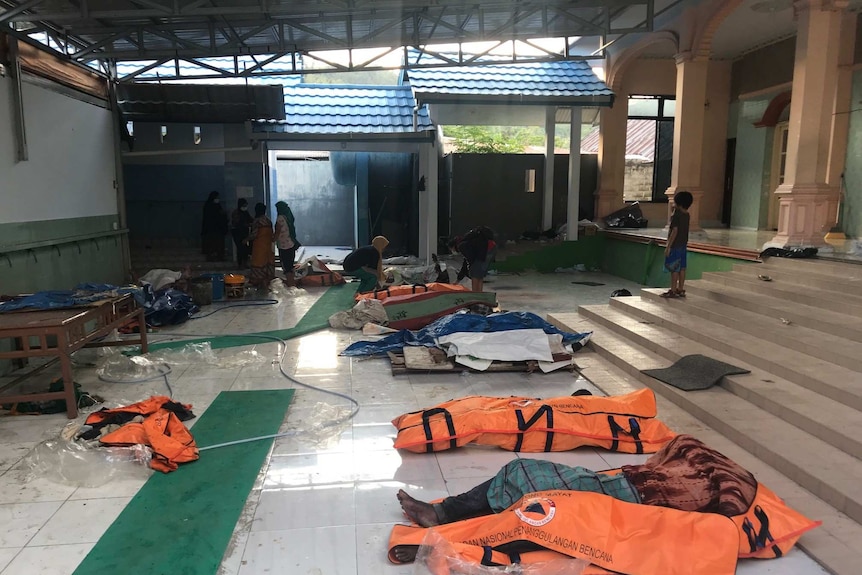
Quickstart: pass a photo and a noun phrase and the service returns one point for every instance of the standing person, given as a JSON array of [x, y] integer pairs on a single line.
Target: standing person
[[677, 244], [478, 248], [213, 228], [285, 239], [240, 227], [366, 263], [262, 256]]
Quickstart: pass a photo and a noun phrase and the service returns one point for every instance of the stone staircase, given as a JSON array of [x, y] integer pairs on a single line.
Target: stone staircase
[[799, 411]]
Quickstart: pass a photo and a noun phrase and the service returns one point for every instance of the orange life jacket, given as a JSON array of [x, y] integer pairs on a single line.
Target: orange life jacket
[[767, 530], [170, 440], [623, 537], [384, 293], [624, 423]]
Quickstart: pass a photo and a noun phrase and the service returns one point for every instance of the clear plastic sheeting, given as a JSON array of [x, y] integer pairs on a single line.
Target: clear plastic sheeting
[[77, 465], [281, 291], [437, 556], [322, 425], [198, 353], [138, 368]]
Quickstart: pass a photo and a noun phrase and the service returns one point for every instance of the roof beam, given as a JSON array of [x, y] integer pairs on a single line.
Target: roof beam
[[11, 13]]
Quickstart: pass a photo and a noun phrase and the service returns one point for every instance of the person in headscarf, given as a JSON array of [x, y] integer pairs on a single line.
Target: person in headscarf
[[285, 239], [366, 263], [213, 228], [240, 227], [262, 256]]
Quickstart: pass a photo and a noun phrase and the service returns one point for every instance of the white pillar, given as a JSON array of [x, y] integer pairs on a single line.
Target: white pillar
[[574, 176], [423, 201], [548, 191]]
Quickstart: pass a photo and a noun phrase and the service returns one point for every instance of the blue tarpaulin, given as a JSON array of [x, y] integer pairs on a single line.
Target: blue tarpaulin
[[456, 323]]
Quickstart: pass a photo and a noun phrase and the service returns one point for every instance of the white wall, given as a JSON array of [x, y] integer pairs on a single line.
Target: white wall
[[70, 172]]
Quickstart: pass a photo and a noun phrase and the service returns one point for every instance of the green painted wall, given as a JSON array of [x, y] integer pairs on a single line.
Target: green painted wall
[[641, 263], [61, 265], [851, 215], [588, 250], [753, 167]]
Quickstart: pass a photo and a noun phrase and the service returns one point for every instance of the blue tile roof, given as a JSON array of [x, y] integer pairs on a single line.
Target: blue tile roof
[[336, 109], [530, 82]]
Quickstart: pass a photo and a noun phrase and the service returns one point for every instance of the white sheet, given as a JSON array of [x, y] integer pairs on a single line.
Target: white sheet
[[512, 345]]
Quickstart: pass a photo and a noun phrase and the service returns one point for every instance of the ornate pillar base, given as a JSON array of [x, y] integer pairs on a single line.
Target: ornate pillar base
[[806, 213], [607, 202], [693, 212]]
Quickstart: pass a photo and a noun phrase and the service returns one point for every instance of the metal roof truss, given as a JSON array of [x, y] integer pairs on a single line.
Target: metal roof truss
[[98, 32]]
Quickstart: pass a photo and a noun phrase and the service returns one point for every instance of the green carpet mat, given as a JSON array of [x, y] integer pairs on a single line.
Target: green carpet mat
[[181, 522], [337, 298]]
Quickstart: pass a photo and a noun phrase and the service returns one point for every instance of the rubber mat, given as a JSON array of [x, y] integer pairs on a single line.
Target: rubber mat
[[693, 372], [182, 522], [337, 298]]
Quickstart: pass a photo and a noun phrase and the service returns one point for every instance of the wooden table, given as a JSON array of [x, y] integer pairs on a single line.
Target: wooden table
[[60, 332]]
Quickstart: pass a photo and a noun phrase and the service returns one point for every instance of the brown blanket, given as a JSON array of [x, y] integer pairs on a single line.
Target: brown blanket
[[686, 474]]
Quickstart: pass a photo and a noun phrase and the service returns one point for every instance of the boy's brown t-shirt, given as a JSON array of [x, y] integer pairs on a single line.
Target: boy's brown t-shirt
[[679, 220]]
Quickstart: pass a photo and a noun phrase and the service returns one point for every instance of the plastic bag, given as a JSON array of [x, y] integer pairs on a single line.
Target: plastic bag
[[75, 464], [202, 353], [630, 216], [438, 556], [90, 356]]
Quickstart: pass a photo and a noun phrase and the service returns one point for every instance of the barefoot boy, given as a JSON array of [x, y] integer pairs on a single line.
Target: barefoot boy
[[677, 243]]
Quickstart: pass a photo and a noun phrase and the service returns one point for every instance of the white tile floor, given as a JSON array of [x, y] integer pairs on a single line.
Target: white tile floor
[[322, 504]]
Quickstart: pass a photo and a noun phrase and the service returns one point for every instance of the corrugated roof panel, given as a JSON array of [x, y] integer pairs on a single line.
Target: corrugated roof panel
[[337, 109], [640, 140], [563, 79]]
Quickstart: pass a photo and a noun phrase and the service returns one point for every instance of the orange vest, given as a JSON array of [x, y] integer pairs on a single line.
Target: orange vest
[[622, 423], [384, 293], [622, 537], [171, 441], [768, 529]]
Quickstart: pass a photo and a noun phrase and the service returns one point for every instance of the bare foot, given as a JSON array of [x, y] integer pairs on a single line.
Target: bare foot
[[418, 511], [405, 553]]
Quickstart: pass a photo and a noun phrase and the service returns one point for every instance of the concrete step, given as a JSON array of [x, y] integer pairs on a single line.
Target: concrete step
[[795, 404], [835, 545], [788, 291], [815, 374], [844, 285], [825, 470], [818, 266], [824, 321], [838, 350]]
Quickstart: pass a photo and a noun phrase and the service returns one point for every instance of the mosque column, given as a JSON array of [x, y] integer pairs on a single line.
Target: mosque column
[[688, 133], [612, 156], [807, 200]]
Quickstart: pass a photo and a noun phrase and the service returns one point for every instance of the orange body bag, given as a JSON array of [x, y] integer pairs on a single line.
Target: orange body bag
[[384, 293], [612, 534], [624, 423]]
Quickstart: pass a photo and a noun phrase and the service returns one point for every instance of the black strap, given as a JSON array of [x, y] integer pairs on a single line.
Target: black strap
[[634, 431], [486, 555], [524, 425], [423, 286], [426, 425], [515, 557]]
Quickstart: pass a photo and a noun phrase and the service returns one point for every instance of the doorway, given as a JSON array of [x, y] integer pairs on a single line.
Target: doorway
[[729, 166], [779, 165]]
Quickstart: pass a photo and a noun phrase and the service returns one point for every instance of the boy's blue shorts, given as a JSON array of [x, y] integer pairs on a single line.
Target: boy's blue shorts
[[675, 260]]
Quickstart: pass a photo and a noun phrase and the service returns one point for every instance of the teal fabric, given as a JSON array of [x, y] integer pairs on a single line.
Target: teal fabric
[[367, 280], [522, 476]]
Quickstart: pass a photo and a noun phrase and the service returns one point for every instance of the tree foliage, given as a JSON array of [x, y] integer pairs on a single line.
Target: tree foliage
[[493, 139]]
